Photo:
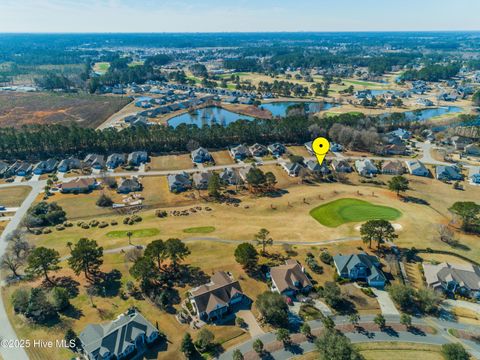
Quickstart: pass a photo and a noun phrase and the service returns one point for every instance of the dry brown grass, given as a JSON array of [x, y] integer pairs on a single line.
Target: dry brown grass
[[14, 196], [171, 162], [222, 157]]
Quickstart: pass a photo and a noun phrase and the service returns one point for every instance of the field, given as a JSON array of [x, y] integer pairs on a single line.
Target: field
[[17, 109], [170, 162], [222, 157], [13, 196], [101, 67], [343, 211]]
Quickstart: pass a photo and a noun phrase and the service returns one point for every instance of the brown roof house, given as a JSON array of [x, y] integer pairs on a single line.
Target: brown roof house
[[79, 186], [217, 298], [290, 279], [392, 167], [453, 278]]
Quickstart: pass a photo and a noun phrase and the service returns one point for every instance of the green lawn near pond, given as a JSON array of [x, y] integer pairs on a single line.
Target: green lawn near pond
[[199, 230], [140, 233], [347, 210]]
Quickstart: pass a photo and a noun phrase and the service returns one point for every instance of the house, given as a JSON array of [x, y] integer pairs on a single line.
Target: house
[[472, 150], [308, 146], [401, 134], [243, 172], [453, 278], [424, 102], [230, 177], [315, 167], [200, 155], [276, 149], [213, 300], [179, 182], [79, 186], [289, 279], [391, 149], [258, 150], [365, 167], [239, 152], [447, 173], [3, 168], [474, 175], [392, 167], [118, 339], [360, 267], [137, 158], [292, 169], [95, 161], [200, 180], [19, 168], [129, 185], [341, 166], [115, 160], [334, 147], [460, 142], [417, 168], [69, 164], [45, 166]]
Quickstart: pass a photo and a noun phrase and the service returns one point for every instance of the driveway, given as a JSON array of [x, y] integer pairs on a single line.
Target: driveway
[[463, 304], [322, 307], [387, 307], [253, 328]]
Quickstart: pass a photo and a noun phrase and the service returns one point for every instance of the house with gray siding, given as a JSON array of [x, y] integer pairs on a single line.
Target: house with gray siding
[[360, 267]]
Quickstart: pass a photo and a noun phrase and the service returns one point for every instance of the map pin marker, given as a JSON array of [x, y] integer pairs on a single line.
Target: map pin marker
[[320, 147]]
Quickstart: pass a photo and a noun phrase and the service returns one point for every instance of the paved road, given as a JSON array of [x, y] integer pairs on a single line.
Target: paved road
[[6, 330]]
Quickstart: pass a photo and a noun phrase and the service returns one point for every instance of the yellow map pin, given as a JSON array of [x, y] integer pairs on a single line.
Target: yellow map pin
[[320, 147]]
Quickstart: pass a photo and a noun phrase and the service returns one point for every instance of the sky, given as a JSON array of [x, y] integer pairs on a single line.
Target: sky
[[237, 16]]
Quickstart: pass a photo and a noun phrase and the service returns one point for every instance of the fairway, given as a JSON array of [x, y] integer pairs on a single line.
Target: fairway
[[343, 211], [199, 230], [139, 233]]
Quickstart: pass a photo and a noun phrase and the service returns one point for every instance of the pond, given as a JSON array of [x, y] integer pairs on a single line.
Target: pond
[[208, 116], [426, 114], [280, 108]]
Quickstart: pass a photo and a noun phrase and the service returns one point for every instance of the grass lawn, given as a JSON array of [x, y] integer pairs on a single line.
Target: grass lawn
[[14, 196], [399, 351], [101, 67], [171, 162], [222, 157], [139, 233], [199, 230], [343, 211]]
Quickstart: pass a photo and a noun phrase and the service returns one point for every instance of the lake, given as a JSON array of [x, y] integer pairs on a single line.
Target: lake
[[208, 116], [280, 108]]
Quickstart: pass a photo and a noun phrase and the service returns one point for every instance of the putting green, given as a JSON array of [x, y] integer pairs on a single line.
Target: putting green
[[343, 211]]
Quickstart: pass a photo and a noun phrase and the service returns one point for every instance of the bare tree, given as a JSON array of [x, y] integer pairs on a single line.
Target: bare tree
[[447, 235], [11, 262]]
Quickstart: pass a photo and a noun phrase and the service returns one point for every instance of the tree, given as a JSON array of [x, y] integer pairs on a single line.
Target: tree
[[43, 260], [328, 322], [333, 345], [157, 251], [332, 294], [454, 351], [176, 251], [60, 298], [246, 255], [402, 295], [378, 231], [239, 322], [476, 98], [258, 346], [270, 180], [104, 201], [204, 340], [354, 319], [144, 270], [380, 321], [263, 239], [237, 355], [469, 213], [19, 300], [447, 235], [428, 300], [87, 257], [72, 339], [39, 309], [273, 308], [214, 185], [406, 320], [306, 330], [398, 184], [129, 235], [12, 263], [283, 335], [187, 347]]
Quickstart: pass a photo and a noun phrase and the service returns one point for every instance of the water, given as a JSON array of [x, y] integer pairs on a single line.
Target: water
[[280, 108], [380, 92], [208, 116], [426, 114]]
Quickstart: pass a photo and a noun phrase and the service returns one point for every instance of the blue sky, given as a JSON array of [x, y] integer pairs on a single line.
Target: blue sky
[[238, 15]]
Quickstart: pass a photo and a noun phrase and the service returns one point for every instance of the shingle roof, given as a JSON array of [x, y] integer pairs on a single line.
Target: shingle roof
[[465, 275], [286, 276], [345, 263]]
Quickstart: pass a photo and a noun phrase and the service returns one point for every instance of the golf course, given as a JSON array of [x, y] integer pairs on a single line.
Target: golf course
[[348, 210]]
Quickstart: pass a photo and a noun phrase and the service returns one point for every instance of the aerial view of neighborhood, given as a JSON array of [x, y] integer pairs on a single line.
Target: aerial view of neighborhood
[[278, 191]]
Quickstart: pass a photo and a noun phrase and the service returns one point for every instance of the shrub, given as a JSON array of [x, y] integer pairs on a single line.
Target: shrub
[[326, 258], [93, 223], [85, 226], [46, 231], [60, 227], [102, 225], [113, 222], [104, 201]]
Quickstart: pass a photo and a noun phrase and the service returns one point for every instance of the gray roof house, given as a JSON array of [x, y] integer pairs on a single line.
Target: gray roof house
[[362, 267], [115, 160], [292, 169], [200, 180], [137, 157], [258, 150], [447, 173], [211, 301], [341, 166], [95, 161], [454, 278], [392, 167], [417, 168], [243, 173], [179, 182], [69, 164], [200, 155], [289, 279], [472, 150], [119, 338], [240, 152], [308, 146], [366, 167], [474, 175], [314, 166], [45, 166], [229, 176], [129, 185], [276, 149], [19, 168], [3, 168]]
